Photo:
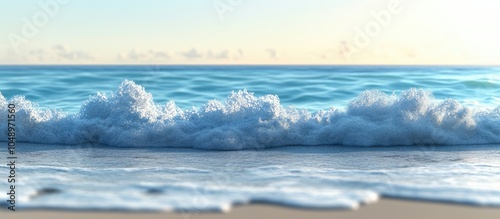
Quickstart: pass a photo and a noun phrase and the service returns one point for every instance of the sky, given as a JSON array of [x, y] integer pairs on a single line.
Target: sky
[[331, 32]]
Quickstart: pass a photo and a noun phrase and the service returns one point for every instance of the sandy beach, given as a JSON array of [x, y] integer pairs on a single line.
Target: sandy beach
[[385, 208]]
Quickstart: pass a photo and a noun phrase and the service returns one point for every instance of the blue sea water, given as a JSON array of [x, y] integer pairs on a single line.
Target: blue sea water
[[198, 138]]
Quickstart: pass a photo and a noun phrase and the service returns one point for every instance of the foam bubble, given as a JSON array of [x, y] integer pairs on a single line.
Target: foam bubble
[[129, 117]]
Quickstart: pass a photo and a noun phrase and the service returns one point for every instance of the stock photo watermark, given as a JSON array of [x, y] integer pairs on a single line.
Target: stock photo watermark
[[363, 36], [222, 7], [11, 157], [48, 9]]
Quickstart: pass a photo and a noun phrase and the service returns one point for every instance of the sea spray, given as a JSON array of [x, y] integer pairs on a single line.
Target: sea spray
[[129, 117]]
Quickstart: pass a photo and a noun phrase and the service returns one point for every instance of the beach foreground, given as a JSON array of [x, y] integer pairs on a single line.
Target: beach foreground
[[385, 208]]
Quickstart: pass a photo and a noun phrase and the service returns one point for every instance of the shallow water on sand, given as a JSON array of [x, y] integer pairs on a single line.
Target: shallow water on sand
[[90, 177]]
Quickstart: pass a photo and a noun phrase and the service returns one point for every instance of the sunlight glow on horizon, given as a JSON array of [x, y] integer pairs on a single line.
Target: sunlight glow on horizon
[[462, 32]]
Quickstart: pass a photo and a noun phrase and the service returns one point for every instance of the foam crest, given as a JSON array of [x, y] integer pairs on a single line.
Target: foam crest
[[130, 117]]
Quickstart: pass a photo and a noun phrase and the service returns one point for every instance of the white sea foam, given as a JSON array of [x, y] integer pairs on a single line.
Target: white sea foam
[[130, 117], [325, 177]]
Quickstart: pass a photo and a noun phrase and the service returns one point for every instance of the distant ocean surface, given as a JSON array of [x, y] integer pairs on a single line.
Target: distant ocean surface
[[199, 138]]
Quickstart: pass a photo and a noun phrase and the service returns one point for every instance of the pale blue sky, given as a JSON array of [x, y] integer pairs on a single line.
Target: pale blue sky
[[252, 32]]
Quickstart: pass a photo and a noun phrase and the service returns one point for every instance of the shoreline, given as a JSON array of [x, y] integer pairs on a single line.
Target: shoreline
[[385, 208]]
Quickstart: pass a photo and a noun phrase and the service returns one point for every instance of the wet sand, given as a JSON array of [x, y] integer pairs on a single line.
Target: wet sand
[[384, 209]]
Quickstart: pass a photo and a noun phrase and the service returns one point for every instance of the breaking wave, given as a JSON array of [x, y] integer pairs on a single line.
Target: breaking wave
[[129, 117]]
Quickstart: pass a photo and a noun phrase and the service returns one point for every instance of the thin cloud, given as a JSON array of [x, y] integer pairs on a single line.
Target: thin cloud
[[159, 54], [239, 54], [59, 47], [192, 54], [138, 55], [62, 52], [272, 53], [220, 55]]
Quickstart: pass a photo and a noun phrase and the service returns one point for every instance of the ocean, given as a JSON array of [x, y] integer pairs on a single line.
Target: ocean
[[206, 138]]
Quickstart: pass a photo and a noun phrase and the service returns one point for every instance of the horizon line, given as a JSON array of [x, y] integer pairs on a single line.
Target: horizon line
[[259, 65]]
